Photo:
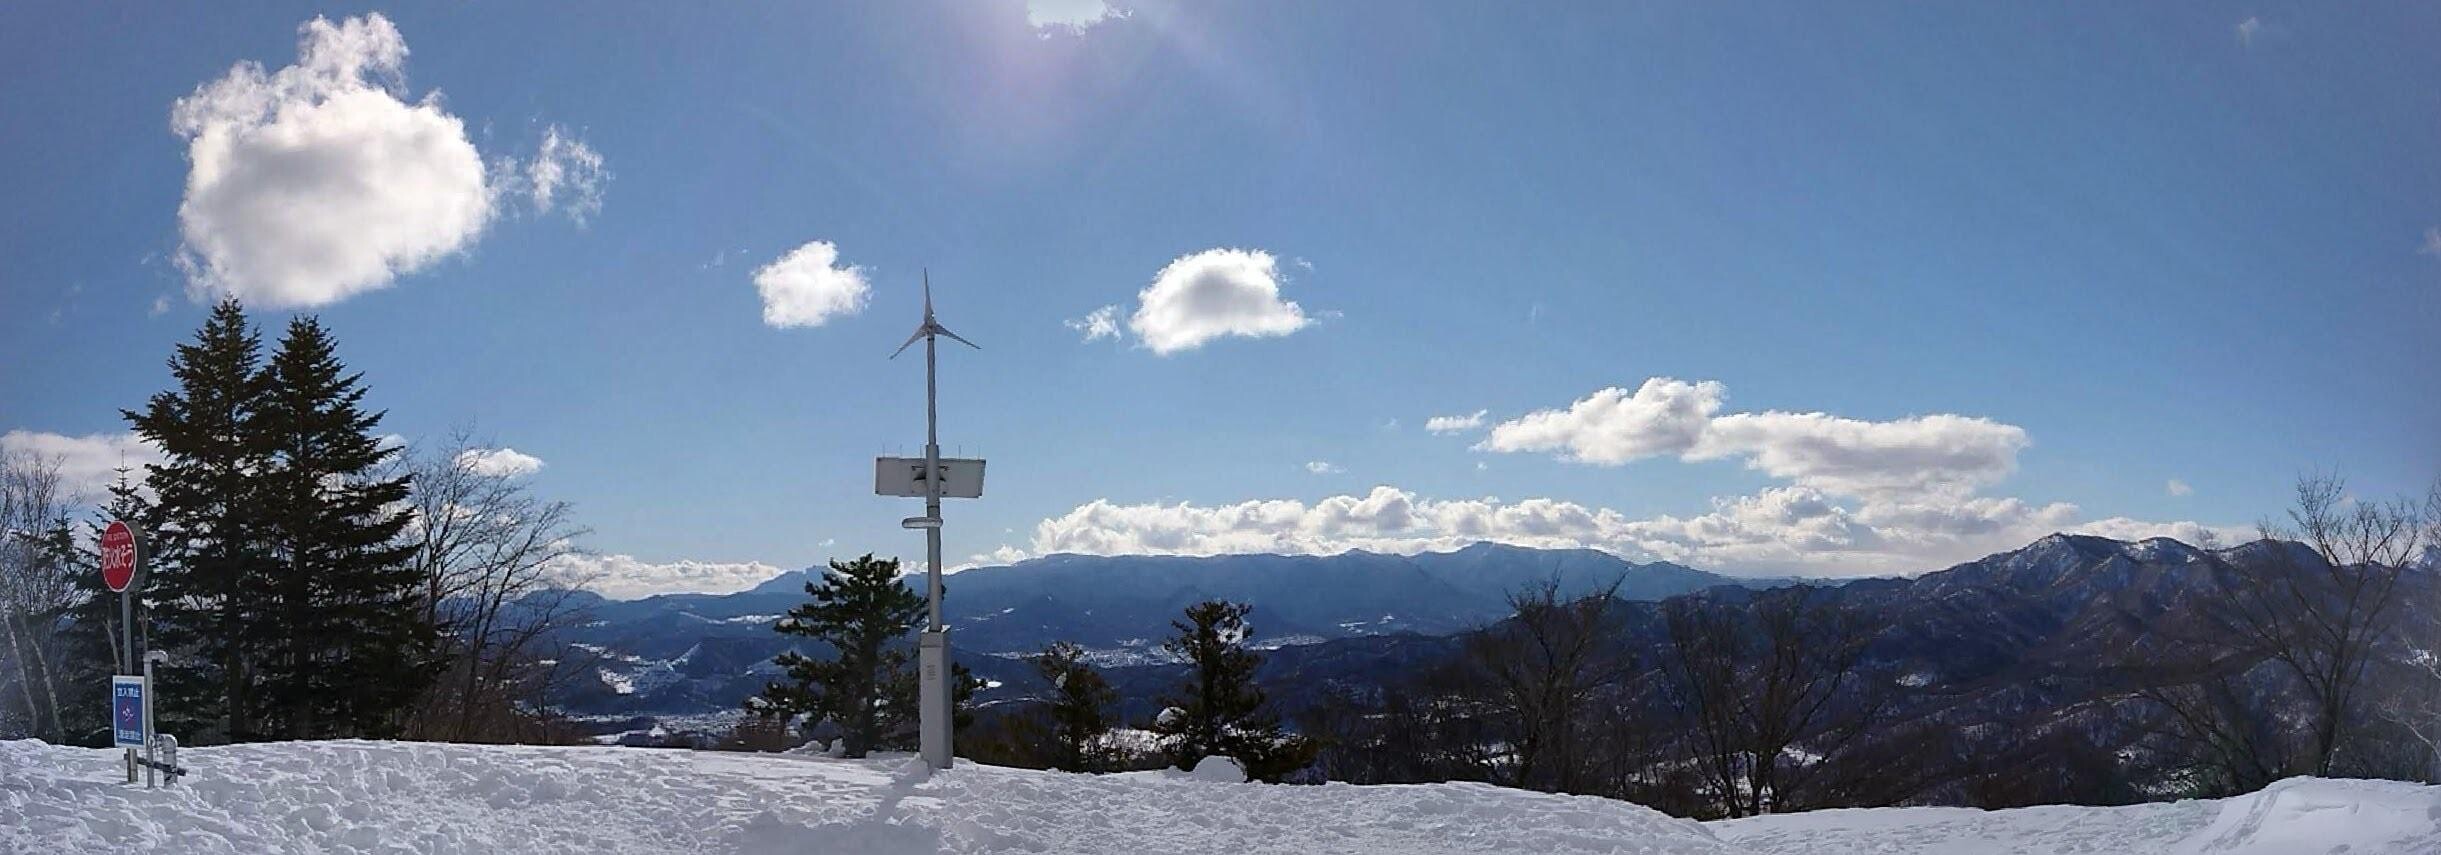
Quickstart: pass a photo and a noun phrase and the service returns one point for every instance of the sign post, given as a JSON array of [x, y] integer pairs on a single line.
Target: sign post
[[122, 569], [932, 478]]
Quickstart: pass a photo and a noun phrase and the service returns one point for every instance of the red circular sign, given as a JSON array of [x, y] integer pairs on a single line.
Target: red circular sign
[[118, 556]]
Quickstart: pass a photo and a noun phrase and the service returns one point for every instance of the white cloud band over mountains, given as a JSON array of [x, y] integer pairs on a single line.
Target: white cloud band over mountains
[[1795, 530], [1859, 496], [624, 577]]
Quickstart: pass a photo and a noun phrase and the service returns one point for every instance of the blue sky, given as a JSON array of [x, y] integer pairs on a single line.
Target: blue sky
[[1877, 289]]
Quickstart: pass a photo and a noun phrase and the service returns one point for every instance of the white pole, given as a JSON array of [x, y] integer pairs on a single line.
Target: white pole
[[932, 649]]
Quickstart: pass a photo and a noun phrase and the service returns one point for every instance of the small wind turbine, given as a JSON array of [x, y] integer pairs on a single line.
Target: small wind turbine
[[933, 664], [929, 328]]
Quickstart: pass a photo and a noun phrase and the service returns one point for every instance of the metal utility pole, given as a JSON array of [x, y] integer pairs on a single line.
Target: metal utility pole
[[900, 477]]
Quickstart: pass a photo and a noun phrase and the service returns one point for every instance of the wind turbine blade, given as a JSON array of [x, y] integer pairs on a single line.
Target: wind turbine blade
[[928, 295], [960, 339], [911, 340]]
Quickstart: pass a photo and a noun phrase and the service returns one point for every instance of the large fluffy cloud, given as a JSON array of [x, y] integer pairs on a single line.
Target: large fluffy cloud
[[323, 179], [1945, 454], [87, 464], [1210, 294], [623, 577], [1939, 453], [1792, 529], [1615, 426], [809, 286]]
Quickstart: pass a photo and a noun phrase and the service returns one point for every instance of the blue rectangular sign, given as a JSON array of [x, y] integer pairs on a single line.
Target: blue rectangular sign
[[127, 711]]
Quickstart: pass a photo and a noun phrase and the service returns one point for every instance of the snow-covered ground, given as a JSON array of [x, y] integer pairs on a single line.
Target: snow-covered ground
[[2299, 816], [370, 797], [408, 797]]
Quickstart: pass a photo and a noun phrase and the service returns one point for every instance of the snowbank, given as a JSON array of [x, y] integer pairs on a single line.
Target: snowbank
[[2299, 815], [385, 797]]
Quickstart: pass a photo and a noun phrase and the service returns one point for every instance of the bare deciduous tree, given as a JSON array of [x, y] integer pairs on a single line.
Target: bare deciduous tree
[[487, 548], [1766, 686], [1547, 665], [36, 590], [2322, 611]]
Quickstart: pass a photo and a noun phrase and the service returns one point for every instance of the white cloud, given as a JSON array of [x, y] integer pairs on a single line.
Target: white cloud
[[1946, 454], [507, 462], [319, 181], [1456, 424], [1323, 467], [808, 286], [1862, 497], [2198, 534], [565, 174], [2248, 29], [87, 464], [161, 306], [1613, 426], [1069, 16], [2432, 243], [623, 577], [1210, 294], [2180, 488], [1097, 324], [1791, 529]]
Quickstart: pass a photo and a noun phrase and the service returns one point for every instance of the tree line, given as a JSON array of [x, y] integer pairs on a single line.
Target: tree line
[[2308, 652], [309, 576], [2304, 653], [862, 697]]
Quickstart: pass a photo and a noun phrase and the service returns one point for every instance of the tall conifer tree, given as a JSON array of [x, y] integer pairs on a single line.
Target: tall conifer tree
[[207, 544], [1220, 710], [348, 646], [860, 609]]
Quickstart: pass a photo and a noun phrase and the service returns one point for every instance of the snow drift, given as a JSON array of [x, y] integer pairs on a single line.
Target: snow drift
[[369, 797], [385, 797], [2297, 816]]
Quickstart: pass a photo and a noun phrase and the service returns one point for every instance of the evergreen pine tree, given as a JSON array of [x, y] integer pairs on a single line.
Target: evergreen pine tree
[[1220, 710], [94, 633], [347, 647], [209, 557], [859, 608], [1079, 712]]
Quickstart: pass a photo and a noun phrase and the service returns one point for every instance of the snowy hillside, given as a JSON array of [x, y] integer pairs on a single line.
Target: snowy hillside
[[403, 797]]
